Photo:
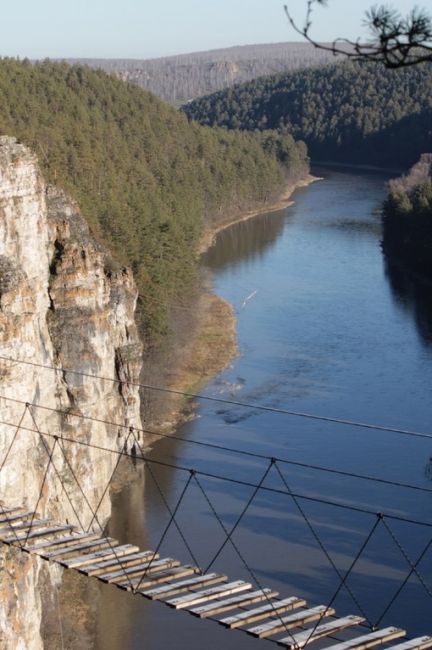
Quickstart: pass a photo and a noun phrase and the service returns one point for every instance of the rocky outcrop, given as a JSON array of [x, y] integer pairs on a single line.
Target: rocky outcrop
[[64, 305]]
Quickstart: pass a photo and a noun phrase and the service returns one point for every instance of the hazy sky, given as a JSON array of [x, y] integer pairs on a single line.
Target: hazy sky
[[151, 28]]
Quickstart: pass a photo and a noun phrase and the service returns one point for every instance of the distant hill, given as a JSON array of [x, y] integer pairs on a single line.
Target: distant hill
[[178, 79], [349, 112]]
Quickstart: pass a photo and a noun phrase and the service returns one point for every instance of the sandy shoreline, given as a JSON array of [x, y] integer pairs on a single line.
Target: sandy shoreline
[[210, 350], [214, 343], [284, 201]]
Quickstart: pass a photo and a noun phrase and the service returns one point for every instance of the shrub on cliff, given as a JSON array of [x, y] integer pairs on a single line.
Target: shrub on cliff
[[407, 217]]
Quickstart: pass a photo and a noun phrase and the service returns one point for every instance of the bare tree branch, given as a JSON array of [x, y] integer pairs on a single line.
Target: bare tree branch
[[395, 41]]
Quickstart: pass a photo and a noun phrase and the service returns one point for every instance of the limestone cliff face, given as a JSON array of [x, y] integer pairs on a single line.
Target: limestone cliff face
[[63, 304]]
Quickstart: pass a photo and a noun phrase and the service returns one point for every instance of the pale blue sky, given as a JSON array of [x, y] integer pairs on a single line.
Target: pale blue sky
[[149, 28]]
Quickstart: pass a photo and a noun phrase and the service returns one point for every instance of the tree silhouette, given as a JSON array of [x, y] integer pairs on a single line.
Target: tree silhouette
[[395, 41]]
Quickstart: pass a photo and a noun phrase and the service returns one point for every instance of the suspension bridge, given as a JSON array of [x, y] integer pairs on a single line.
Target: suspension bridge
[[206, 595], [249, 606]]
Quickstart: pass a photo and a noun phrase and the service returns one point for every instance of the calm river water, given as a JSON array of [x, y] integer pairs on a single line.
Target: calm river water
[[325, 327]]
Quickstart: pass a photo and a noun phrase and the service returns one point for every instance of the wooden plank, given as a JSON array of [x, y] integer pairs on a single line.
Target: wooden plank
[[208, 594], [369, 640], [37, 533], [140, 570], [28, 525], [259, 613], [127, 561], [237, 602], [300, 639], [183, 585], [91, 558], [286, 622], [420, 643], [60, 542], [77, 549], [15, 517], [161, 577]]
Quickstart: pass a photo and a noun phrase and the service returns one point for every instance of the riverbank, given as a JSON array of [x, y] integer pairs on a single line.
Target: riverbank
[[357, 167], [207, 352], [283, 201], [212, 343]]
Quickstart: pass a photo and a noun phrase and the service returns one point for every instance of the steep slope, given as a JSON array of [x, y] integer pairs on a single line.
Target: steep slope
[[178, 79], [407, 218], [144, 177], [61, 305], [352, 112]]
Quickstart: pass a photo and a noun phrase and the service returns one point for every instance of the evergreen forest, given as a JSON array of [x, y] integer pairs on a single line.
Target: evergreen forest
[[347, 112], [407, 220], [178, 79], [146, 179]]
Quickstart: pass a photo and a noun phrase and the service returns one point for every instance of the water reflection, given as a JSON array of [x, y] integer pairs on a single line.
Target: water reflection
[[324, 334], [413, 296], [245, 240], [128, 526]]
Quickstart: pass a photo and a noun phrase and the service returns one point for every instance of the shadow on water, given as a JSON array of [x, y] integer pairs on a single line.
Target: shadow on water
[[245, 240], [330, 332], [413, 296]]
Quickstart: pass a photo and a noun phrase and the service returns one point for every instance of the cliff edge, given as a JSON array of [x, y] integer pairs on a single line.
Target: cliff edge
[[63, 304]]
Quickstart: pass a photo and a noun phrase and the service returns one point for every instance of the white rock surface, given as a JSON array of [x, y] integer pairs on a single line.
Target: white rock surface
[[64, 305]]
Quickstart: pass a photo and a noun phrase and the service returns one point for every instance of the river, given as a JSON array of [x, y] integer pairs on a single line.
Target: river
[[325, 327]]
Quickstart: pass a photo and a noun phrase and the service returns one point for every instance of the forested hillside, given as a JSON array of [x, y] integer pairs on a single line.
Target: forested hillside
[[178, 79], [407, 220], [351, 112], [143, 176]]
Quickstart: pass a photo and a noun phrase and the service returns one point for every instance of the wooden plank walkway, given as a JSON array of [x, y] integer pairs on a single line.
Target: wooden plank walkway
[[290, 622]]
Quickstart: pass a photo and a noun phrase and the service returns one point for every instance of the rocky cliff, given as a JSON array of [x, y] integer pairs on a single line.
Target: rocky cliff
[[63, 304]]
